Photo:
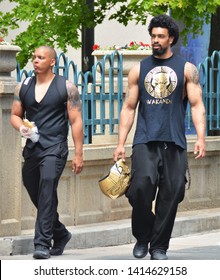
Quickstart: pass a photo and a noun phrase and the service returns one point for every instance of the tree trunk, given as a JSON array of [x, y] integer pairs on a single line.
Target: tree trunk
[[215, 33], [214, 45]]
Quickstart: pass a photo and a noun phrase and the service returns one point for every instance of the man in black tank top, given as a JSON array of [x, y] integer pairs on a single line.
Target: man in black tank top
[[160, 86], [50, 108]]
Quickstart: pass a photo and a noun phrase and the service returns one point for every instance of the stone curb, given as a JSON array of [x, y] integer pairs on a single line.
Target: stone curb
[[115, 232]]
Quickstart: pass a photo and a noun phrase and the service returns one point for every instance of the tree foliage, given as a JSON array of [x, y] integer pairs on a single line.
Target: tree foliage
[[59, 22]]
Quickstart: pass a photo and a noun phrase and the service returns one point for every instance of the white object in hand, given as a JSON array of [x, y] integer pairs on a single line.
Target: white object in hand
[[116, 169], [25, 132], [34, 134], [30, 133]]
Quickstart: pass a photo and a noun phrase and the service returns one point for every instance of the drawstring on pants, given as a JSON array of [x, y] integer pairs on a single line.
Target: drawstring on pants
[[165, 146]]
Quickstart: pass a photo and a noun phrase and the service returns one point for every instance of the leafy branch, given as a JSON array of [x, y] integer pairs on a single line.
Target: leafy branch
[[59, 22]]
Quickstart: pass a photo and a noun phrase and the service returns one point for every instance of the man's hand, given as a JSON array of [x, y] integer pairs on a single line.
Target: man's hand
[[29, 133], [77, 164], [119, 153], [26, 132], [199, 149]]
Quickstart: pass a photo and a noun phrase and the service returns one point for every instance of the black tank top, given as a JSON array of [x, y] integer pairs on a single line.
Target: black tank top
[[161, 111]]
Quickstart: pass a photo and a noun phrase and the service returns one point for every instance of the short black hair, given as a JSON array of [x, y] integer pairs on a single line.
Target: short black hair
[[165, 21]]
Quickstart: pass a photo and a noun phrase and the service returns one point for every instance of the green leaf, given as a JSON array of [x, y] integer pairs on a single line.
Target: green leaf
[[59, 22]]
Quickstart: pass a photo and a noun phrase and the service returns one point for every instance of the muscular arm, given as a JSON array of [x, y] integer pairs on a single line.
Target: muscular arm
[[16, 110], [194, 93], [74, 109], [128, 112]]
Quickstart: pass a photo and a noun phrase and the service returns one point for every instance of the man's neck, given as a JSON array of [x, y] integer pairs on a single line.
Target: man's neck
[[45, 78], [166, 55]]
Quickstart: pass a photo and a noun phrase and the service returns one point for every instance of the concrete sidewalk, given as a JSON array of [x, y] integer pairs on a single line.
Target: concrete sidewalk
[[202, 246], [196, 235]]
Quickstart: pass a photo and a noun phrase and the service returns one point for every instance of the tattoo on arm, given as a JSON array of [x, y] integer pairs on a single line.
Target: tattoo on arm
[[195, 75], [16, 94], [73, 97], [16, 98]]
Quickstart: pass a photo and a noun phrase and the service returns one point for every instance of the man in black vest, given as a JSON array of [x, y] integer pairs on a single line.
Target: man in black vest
[[50, 105], [161, 85]]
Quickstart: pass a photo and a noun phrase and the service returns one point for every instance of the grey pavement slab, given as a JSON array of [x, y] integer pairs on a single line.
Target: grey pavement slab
[[196, 235], [201, 246]]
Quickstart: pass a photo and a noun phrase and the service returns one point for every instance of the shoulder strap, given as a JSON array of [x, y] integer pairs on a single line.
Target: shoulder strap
[[61, 86], [25, 86]]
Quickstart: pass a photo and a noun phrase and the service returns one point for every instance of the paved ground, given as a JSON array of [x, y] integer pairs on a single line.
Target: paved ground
[[194, 252], [202, 246]]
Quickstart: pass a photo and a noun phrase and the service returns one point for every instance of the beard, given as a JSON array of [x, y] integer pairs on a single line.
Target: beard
[[159, 52]]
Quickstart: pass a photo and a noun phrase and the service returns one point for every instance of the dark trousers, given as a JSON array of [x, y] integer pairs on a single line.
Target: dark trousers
[[159, 170], [41, 173]]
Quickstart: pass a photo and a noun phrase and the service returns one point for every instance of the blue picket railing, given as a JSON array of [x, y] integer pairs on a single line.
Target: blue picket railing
[[101, 91], [210, 81]]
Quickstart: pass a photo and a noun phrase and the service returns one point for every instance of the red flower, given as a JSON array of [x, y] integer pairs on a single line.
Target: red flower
[[132, 44], [95, 47], [1, 39]]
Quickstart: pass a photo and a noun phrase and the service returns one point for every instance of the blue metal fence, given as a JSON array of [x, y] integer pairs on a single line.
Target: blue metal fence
[[101, 92], [210, 82]]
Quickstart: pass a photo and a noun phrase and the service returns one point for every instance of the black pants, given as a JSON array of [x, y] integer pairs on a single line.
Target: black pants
[[158, 170], [41, 173]]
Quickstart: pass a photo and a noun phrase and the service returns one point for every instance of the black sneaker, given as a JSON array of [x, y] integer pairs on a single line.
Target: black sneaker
[[59, 245], [158, 254], [41, 252]]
